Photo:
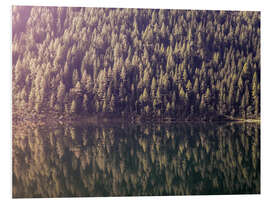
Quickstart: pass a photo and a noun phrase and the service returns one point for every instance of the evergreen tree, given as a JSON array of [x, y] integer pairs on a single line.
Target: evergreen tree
[[61, 93], [74, 107], [136, 62]]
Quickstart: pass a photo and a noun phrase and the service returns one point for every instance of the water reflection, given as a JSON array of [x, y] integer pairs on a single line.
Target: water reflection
[[124, 160]]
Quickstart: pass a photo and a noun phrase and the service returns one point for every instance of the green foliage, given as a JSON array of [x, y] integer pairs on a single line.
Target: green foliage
[[124, 60], [74, 107]]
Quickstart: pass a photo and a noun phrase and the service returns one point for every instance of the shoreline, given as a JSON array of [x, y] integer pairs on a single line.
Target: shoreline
[[54, 119]]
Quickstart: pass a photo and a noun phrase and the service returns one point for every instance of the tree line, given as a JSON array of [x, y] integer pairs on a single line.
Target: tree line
[[184, 64]]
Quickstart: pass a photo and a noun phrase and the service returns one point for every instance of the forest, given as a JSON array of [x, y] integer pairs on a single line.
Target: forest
[[136, 63]]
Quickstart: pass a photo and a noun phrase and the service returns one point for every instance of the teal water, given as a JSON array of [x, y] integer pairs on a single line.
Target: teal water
[[132, 160]]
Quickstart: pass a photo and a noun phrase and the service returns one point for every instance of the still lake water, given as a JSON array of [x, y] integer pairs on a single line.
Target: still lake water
[[132, 160]]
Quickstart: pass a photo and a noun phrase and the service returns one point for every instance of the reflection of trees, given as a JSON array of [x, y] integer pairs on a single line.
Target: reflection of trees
[[137, 160]]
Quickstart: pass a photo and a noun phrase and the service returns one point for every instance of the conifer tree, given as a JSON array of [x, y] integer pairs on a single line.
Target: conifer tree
[[137, 62], [73, 108]]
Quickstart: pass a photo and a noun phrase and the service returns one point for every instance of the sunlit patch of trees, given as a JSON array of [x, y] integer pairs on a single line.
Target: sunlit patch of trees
[[152, 160], [143, 62]]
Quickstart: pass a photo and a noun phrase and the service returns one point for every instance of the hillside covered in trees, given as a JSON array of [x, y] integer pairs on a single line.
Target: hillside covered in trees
[[136, 63]]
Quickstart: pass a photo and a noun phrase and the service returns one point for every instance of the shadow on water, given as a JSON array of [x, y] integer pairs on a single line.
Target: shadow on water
[[133, 160]]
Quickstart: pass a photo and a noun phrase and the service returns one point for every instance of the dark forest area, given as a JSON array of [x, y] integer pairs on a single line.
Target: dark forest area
[[136, 63]]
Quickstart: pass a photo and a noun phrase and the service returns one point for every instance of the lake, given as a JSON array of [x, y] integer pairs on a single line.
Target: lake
[[136, 160]]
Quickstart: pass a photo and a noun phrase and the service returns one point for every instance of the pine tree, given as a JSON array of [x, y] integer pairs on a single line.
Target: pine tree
[[255, 94], [196, 86], [73, 108], [137, 62], [123, 74], [153, 87], [112, 104], [61, 92], [208, 96], [189, 87], [75, 77], [145, 95], [104, 107]]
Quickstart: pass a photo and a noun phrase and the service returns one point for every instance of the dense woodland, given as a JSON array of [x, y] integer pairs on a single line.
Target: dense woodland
[[150, 63]]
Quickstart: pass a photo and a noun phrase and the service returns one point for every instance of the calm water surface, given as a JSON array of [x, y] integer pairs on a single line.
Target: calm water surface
[[125, 160]]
